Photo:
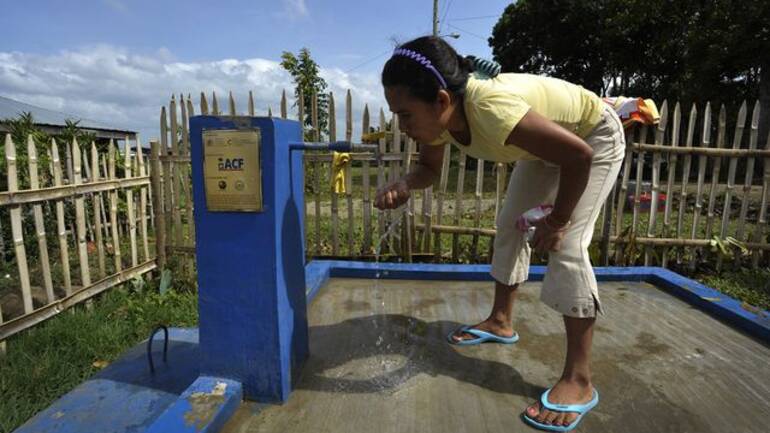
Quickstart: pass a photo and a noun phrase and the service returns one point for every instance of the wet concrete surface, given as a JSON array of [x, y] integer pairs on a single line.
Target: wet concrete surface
[[380, 363]]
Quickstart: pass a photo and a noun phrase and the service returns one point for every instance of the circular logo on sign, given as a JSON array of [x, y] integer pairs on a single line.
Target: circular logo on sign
[[222, 184], [239, 185]]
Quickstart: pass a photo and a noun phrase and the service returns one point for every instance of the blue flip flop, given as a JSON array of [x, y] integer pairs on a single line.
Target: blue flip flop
[[482, 337], [580, 409]]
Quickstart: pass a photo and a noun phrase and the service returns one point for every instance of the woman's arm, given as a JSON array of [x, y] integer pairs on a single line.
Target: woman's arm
[[550, 142], [428, 167], [427, 170]]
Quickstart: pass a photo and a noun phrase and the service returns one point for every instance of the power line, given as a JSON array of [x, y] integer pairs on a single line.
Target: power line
[[369, 60], [470, 33], [475, 18], [446, 11], [389, 50]]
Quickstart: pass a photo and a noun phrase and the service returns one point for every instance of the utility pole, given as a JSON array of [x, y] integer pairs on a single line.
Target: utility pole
[[435, 17]]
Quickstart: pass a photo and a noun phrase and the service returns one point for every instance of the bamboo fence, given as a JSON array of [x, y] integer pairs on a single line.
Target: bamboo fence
[[84, 242]]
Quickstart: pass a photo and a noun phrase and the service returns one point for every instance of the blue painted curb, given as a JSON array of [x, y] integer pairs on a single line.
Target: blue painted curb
[[753, 320], [203, 408]]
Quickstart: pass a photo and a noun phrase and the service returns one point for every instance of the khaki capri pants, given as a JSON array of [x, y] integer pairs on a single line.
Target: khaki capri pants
[[569, 286]]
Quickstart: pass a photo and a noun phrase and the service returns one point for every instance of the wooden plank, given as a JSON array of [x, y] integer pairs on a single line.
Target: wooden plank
[[335, 202], [740, 233], [715, 173], [381, 215], [190, 108], [301, 119], [316, 172], [150, 215], [355, 156], [726, 210], [176, 194], [114, 211], [458, 204], [407, 222], [660, 131], [348, 170], [185, 180], [697, 243], [427, 219], [367, 203], [142, 201], [673, 159], [701, 178], [56, 172], [638, 183], [3, 256], [157, 198], [214, 104], [440, 199], [478, 194], [66, 191], [105, 170], [96, 202], [128, 173], [68, 152], [686, 170], [42, 243], [204, 106], [87, 170], [17, 230], [739, 153], [438, 228], [394, 174], [167, 175], [760, 227], [80, 218], [27, 321]]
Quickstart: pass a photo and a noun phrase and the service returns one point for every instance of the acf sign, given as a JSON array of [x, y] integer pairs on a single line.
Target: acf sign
[[231, 170]]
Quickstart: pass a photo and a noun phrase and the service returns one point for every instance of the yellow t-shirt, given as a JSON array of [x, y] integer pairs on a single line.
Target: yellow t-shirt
[[494, 106]]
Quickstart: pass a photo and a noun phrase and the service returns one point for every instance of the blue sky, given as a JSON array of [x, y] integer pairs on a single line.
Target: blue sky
[[118, 61]]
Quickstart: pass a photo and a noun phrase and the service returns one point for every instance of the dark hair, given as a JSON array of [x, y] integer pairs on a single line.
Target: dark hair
[[421, 82]]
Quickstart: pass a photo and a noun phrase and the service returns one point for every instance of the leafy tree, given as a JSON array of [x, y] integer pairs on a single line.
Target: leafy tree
[[686, 50], [305, 72]]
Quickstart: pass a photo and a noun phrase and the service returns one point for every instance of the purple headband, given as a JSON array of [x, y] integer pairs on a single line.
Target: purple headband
[[414, 55]]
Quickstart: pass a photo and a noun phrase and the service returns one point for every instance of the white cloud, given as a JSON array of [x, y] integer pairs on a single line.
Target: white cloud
[[296, 8], [117, 5], [126, 90]]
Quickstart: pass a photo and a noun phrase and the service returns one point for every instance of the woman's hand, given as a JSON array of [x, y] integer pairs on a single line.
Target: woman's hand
[[548, 235], [392, 195]]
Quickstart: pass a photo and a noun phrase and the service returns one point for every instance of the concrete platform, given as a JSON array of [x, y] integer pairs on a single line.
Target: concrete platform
[[379, 363]]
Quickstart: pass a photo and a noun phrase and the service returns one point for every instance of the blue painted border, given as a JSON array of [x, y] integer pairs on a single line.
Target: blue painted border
[[183, 417], [753, 320]]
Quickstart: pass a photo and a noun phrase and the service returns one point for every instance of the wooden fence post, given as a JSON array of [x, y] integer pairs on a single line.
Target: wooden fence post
[[157, 206]]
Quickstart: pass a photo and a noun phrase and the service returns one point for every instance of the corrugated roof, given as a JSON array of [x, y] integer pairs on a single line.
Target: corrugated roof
[[11, 108]]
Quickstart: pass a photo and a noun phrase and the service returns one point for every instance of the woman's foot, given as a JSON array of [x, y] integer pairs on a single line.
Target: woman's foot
[[564, 392], [492, 326]]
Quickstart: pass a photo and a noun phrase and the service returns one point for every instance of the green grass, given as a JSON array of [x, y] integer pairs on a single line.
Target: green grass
[[746, 285], [49, 360]]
